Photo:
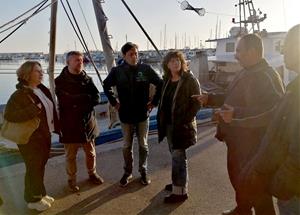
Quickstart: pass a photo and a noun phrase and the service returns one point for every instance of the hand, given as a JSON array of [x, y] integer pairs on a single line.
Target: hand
[[203, 98], [117, 106], [150, 106], [227, 113], [216, 116]]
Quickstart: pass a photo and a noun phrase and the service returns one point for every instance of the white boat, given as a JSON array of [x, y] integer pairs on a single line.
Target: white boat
[[223, 66]]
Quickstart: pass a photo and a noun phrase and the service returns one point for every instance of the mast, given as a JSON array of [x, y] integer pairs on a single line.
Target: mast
[[52, 59], [105, 38], [107, 50], [255, 17]]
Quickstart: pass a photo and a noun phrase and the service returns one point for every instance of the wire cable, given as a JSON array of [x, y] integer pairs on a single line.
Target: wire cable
[[72, 24], [27, 18], [2, 26], [87, 25], [34, 13], [84, 43]]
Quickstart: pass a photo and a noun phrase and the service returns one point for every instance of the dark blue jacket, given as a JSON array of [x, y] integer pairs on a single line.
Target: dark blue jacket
[[132, 84]]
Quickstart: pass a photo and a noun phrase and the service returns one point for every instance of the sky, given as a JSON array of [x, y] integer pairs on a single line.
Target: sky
[[157, 17]]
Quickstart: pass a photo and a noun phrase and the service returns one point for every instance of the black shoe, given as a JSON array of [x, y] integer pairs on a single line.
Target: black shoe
[[125, 179], [236, 211], [169, 187], [96, 179], [230, 212], [72, 186], [173, 198], [145, 180]]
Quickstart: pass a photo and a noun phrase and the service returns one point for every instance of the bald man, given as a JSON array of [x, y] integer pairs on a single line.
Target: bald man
[[246, 110]]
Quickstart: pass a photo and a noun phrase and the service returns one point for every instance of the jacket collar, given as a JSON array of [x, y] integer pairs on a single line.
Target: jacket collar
[[74, 78], [294, 85], [257, 67]]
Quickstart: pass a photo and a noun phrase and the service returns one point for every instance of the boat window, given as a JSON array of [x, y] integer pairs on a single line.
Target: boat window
[[229, 47]]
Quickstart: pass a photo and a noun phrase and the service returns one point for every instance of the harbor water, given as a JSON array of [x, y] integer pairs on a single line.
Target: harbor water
[[8, 77]]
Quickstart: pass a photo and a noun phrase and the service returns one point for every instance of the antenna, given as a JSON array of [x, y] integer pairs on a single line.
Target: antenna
[[254, 18]]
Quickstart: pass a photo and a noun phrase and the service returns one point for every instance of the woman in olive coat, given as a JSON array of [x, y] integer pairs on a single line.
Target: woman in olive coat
[[176, 120]]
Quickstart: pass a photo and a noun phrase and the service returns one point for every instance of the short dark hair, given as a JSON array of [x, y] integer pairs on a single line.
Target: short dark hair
[[127, 46], [73, 53], [253, 41]]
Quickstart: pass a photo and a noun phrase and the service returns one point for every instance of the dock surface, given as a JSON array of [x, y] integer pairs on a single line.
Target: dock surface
[[210, 191]]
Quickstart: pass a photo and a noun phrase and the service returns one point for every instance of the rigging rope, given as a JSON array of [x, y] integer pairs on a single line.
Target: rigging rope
[[27, 18], [84, 43], [71, 22], [2, 26], [88, 27], [34, 13]]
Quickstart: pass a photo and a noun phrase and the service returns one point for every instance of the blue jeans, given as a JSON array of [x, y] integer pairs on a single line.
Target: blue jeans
[[141, 130], [289, 207], [179, 167]]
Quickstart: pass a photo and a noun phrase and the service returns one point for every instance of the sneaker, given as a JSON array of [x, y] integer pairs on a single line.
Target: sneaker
[[125, 179], [72, 186], [48, 199], [169, 187], [173, 198], [96, 179], [145, 179], [41, 205]]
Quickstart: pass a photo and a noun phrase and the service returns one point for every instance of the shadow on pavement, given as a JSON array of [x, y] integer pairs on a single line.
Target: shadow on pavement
[[157, 205], [96, 200]]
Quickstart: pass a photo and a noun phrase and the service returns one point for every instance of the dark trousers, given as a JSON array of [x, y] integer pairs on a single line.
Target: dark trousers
[[35, 155], [239, 152]]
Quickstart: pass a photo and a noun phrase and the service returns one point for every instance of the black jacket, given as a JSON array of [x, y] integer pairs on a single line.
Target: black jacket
[[184, 110], [77, 95], [20, 108], [253, 93], [279, 154], [132, 84]]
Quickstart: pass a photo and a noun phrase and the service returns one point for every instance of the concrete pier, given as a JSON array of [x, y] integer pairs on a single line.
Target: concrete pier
[[210, 191]]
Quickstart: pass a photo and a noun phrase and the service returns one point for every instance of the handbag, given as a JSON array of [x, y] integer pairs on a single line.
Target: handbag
[[19, 132]]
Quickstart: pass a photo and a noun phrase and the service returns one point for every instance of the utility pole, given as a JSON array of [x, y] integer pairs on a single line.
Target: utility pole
[[52, 44]]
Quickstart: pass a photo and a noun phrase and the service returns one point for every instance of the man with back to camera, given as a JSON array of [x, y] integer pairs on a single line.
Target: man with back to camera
[[77, 96], [277, 161], [132, 80]]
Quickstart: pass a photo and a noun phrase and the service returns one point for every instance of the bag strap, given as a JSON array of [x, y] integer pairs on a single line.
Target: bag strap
[[31, 99]]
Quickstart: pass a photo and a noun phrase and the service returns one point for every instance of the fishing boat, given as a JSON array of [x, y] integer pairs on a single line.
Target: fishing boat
[[222, 67]]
